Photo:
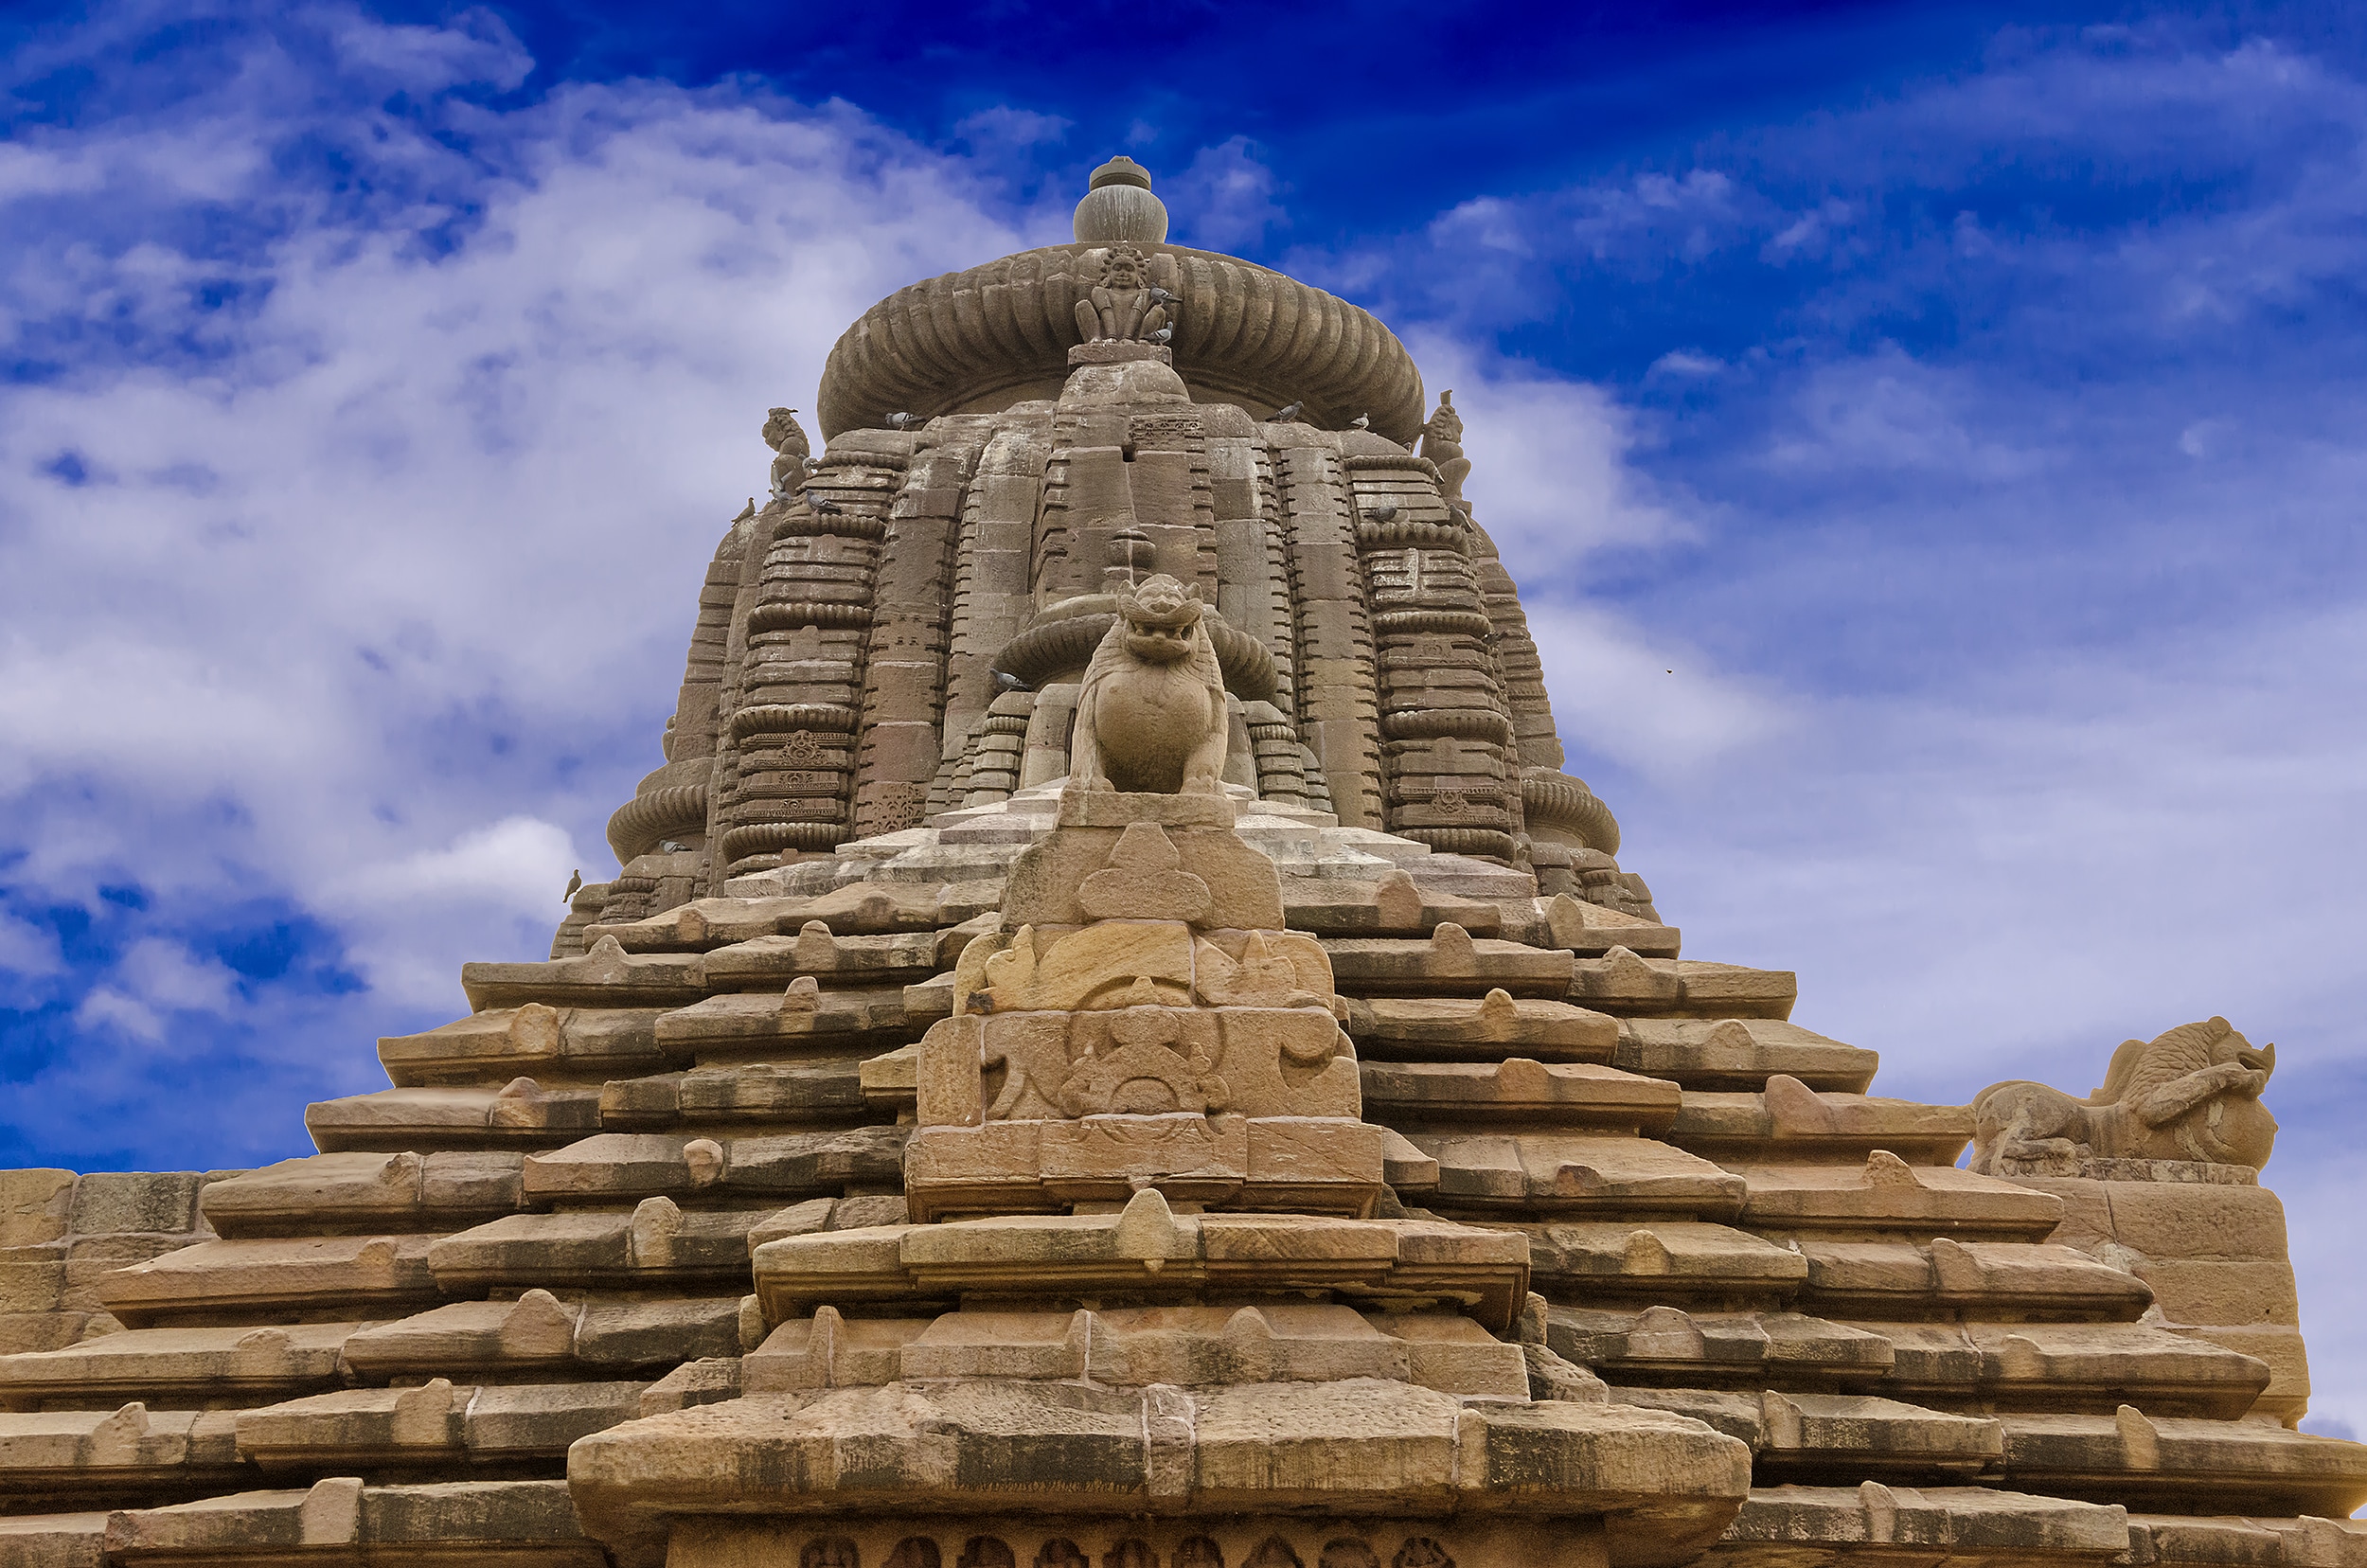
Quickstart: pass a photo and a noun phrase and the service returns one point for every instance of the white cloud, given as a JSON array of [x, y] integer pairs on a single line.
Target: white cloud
[[430, 521], [1224, 199], [28, 950]]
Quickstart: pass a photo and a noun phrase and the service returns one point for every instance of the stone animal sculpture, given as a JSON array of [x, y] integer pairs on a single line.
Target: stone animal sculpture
[[2191, 1092], [1151, 715]]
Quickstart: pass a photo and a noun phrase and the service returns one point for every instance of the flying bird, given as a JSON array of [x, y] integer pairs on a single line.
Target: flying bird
[[575, 885], [1382, 513], [1286, 413], [1362, 421], [904, 422]]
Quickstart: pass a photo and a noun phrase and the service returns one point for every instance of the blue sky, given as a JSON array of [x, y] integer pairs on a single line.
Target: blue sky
[[1927, 436]]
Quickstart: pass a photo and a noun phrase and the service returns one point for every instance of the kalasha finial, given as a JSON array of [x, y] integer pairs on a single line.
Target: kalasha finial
[[1120, 206]]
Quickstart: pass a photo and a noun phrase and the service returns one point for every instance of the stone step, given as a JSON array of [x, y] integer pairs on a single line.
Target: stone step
[[857, 909], [604, 977], [1788, 1120], [522, 1113], [257, 1280], [770, 963], [826, 1092], [1663, 1260], [431, 1425], [1148, 1252], [365, 1193], [1496, 1175], [1488, 1029], [179, 1368], [1878, 1523], [1885, 1197], [551, 1045], [1135, 1346], [800, 1021], [129, 1454], [1451, 962], [1627, 984], [2167, 1465], [1809, 1437], [1565, 1096], [1945, 1276], [514, 1524], [537, 1335], [655, 1245], [883, 1466], [611, 1167], [2078, 1369], [1739, 1053]]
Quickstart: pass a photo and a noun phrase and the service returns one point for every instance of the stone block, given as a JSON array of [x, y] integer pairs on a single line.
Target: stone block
[[33, 1206], [2208, 1291], [107, 1201], [31, 1286], [2190, 1219]]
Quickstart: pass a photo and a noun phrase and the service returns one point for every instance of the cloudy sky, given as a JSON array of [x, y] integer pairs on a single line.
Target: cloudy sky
[[1929, 439]]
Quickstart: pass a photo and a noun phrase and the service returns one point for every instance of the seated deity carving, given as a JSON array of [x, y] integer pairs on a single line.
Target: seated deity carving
[[1150, 716], [2191, 1092], [1120, 308]]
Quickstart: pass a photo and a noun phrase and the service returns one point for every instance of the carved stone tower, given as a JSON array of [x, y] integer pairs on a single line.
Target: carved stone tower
[[1114, 1044]]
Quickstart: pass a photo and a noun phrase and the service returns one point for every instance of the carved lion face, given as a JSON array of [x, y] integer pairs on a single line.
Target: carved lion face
[[1160, 615], [2233, 1047]]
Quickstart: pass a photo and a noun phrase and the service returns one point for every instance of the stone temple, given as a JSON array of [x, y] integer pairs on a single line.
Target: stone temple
[[1115, 1044]]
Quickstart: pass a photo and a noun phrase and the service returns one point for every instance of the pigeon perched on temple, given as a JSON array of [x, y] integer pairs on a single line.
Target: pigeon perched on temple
[[1164, 334], [1362, 421], [904, 422], [824, 505], [1162, 297], [575, 885], [1005, 680], [1286, 413], [1385, 513]]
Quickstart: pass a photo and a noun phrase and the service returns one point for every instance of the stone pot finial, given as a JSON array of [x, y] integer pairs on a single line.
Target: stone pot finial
[[1119, 207]]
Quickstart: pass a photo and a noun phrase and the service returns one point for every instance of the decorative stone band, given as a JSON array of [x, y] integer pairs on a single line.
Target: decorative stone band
[[647, 820], [772, 718], [969, 1466], [789, 616], [1554, 800], [951, 343]]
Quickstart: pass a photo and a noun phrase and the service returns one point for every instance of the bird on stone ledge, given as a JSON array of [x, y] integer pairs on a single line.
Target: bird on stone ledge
[[904, 422], [823, 505], [1362, 421], [1381, 513], [1286, 413], [575, 885], [1164, 334], [1005, 680]]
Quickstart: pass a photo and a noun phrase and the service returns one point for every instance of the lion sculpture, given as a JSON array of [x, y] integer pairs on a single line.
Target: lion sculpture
[[1150, 717], [2191, 1092]]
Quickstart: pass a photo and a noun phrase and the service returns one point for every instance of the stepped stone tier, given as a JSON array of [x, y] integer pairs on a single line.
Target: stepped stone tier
[[1114, 1044]]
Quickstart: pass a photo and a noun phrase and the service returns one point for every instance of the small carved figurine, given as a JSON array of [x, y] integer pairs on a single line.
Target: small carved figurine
[[1121, 307], [1442, 443], [2191, 1092], [1151, 715], [790, 450]]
